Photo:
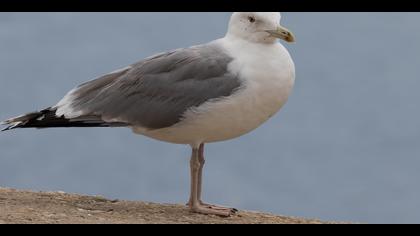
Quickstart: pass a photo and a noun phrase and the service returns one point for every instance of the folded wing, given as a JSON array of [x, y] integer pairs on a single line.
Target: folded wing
[[154, 93]]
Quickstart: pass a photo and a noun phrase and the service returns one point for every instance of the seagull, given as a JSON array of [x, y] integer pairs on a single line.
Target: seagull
[[201, 94]]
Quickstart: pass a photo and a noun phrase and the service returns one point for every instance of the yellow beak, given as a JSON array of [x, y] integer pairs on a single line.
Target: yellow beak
[[282, 33]]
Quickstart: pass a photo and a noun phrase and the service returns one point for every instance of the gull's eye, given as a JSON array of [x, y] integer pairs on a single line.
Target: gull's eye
[[251, 19]]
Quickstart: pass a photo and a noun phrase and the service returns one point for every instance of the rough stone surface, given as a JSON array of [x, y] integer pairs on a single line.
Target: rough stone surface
[[62, 208]]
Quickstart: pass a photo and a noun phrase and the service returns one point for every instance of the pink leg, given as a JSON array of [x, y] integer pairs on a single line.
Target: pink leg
[[195, 202]]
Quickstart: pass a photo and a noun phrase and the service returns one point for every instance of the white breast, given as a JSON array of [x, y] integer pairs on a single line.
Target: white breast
[[267, 73]]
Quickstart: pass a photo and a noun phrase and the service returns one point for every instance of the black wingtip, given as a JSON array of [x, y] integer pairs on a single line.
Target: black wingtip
[[5, 129], [9, 126], [19, 121], [47, 118], [2, 124]]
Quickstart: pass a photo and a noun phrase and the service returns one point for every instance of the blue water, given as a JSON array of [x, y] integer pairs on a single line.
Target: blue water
[[345, 147]]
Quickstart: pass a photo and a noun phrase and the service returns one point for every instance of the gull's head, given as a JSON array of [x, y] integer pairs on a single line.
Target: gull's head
[[258, 27]]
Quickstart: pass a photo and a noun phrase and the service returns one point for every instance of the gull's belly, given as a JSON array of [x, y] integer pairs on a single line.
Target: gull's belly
[[230, 117]]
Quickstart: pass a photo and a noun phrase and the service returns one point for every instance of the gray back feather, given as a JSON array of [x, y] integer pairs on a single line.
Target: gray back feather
[[155, 93]]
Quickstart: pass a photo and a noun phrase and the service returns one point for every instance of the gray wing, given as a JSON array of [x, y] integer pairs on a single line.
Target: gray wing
[[155, 93]]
